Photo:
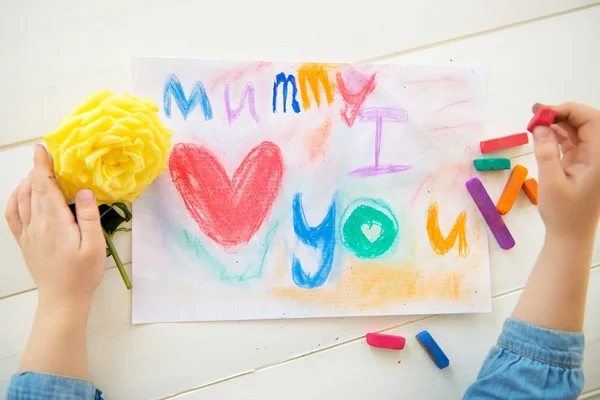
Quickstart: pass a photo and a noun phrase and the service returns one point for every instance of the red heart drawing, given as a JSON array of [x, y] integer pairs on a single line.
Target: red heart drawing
[[228, 211]]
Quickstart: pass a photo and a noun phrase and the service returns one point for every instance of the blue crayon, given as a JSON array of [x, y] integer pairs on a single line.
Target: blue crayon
[[432, 348]]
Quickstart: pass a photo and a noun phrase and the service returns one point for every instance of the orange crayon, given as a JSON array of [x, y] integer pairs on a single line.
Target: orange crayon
[[530, 187], [512, 189]]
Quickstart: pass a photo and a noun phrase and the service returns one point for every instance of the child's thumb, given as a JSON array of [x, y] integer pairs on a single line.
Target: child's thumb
[[547, 154], [88, 218]]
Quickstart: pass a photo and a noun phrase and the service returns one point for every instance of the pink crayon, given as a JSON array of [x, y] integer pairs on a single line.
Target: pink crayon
[[490, 214], [385, 341]]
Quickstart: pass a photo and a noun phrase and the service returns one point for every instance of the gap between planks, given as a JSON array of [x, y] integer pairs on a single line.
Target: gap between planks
[[333, 346], [590, 394], [382, 57], [35, 288], [479, 33]]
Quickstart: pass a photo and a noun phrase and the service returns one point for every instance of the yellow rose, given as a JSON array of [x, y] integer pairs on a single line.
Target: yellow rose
[[113, 145]]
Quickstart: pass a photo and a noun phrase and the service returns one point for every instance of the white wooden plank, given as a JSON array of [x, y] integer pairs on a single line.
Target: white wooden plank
[[357, 371], [14, 277], [53, 54], [523, 67]]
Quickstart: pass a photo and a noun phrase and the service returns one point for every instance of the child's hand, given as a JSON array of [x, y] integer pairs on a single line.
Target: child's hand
[[569, 187], [65, 258]]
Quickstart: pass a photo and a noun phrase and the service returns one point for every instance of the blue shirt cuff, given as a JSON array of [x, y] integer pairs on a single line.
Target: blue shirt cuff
[[35, 385], [563, 349]]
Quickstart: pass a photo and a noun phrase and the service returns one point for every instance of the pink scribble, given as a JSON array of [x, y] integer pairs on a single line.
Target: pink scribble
[[454, 104], [448, 127], [354, 80], [237, 73], [247, 95], [461, 172], [423, 182], [354, 93]]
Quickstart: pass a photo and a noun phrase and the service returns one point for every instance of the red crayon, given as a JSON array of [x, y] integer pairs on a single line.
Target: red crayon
[[505, 142], [544, 116]]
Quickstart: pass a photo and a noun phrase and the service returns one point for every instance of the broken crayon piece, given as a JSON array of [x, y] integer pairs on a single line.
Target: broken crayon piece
[[543, 116], [490, 214], [530, 187], [433, 349], [512, 189], [491, 164], [505, 142], [385, 341]]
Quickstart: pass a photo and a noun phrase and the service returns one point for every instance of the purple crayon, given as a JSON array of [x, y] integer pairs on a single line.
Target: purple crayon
[[490, 214]]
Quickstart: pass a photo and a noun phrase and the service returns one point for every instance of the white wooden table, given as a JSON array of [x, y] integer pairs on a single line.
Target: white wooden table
[[53, 54]]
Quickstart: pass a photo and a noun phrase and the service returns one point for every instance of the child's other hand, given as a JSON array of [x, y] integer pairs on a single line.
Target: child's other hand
[[569, 186], [64, 257]]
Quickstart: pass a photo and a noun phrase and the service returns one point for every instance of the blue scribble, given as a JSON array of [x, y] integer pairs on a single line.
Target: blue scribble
[[279, 79], [321, 238], [198, 96]]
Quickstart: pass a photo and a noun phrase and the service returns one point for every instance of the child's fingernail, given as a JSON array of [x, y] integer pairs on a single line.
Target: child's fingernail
[[37, 149], [85, 195], [541, 132]]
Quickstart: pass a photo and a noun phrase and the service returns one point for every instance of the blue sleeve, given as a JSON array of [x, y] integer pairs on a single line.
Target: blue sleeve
[[38, 386], [530, 362]]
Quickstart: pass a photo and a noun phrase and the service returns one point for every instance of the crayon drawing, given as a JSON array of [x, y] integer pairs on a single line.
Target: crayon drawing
[[298, 190]]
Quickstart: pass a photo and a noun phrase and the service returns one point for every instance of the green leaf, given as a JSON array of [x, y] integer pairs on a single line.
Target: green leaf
[[111, 219], [123, 207]]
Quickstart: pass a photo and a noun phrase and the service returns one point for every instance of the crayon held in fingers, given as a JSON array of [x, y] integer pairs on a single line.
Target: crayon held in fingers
[[433, 349], [512, 189], [490, 214], [491, 164], [385, 341], [530, 187], [505, 142], [543, 116]]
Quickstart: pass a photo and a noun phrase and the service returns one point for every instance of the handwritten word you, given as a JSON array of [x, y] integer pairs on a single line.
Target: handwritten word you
[[369, 230]]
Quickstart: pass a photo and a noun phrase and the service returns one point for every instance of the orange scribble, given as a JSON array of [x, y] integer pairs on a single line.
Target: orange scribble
[[237, 73], [442, 245], [368, 285], [314, 74], [279, 270], [318, 140]]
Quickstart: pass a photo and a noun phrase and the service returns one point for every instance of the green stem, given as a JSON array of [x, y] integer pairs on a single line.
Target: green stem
[[115, 256]]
